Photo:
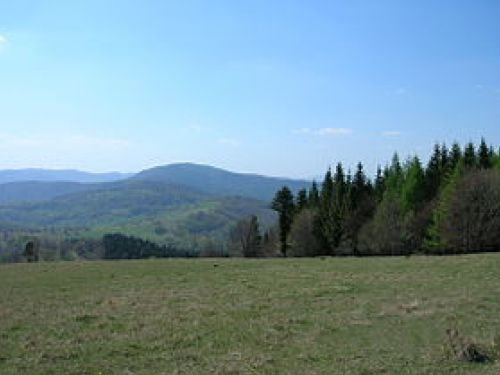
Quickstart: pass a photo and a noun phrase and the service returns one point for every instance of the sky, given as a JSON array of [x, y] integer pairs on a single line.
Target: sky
[[282, 88]]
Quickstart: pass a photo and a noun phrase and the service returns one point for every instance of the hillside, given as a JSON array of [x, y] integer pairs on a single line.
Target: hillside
[[220, 182], [36, 191], [116, 202]]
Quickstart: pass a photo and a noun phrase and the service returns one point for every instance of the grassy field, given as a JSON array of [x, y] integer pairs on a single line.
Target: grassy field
[[233, 316]]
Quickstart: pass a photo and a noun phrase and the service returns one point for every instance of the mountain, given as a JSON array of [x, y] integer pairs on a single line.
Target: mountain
[[220, 182], [52, 175], [182, 203], [104, 204], [36, 191]]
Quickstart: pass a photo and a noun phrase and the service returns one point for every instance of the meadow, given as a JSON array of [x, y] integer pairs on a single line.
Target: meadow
[[238, 316]]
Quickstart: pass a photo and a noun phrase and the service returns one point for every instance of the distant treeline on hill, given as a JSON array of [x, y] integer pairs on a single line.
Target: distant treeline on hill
[[119, 246], [452, 205]]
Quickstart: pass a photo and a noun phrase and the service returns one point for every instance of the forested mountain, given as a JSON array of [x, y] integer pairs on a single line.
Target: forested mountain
[[52, 175], [112, 203], [34, 185], [220, 182], [37, 191]]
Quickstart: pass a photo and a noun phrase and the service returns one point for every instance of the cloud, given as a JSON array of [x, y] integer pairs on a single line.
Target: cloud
[[401, 91], [334, 131], [3, 39], [228, 142], [391, 133], [301, 131]]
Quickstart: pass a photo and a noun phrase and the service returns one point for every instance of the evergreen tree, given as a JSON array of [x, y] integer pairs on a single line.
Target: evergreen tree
[[433, 173], [455, 156], [313, 196], [283, 203], [412, 191], [325, 218], [302, 200], [379, 184], [340, 207], [470, 159], [484, 156]]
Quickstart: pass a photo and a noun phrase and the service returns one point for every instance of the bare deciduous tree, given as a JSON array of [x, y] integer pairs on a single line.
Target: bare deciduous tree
[[245, 238], [473, 218]]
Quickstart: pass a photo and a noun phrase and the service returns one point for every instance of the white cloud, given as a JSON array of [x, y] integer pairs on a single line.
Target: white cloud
[[301, 131], [334, 131], [3, 39], [228, 142], [391, 133], [400, 91]]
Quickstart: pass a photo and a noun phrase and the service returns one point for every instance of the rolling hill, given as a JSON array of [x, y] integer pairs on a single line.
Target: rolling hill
[[178, 203], [219, 181], [37, 191], [36, 185]]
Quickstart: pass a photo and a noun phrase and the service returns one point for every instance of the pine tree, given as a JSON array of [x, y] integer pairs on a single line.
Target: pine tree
[[470, 159], [412, 191], [302, 200], [455, 156], [485, 160], [433, 173], [283, 203], [340, 207], [313, 195], [379, 184]]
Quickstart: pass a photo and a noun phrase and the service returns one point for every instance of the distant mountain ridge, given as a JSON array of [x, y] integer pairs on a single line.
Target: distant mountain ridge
[[218, 181], [36, 185], [59, 175], [179, 202]]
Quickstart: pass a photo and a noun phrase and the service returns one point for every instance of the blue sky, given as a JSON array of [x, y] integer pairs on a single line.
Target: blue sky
[[276, 87]]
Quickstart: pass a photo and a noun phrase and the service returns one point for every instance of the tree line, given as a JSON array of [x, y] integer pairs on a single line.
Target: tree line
[[450, 205], [120, 246]]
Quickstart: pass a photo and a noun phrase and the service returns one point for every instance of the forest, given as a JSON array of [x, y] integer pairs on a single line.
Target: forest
[[449, 206]]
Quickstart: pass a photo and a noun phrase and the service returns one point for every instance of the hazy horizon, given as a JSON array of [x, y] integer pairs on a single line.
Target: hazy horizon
[[278, 89]]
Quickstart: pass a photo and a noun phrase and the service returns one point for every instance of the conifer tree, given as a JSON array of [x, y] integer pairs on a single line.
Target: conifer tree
[[412, 191], [484, 155], [302, 200], [313, 196], [470, 159], [283, 203]]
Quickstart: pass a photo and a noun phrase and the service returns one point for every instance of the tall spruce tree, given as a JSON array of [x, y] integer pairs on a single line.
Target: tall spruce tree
[[484, 156], [470, 159], [412, 191], [313, 196], [302, 200], [283, 203]]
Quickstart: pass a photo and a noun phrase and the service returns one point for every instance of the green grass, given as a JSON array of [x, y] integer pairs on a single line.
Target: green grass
[[274, 316]]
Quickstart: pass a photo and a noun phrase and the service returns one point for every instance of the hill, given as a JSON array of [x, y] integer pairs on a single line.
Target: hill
[[36, 191], [35, 185], [111, 203], [220, 182]]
